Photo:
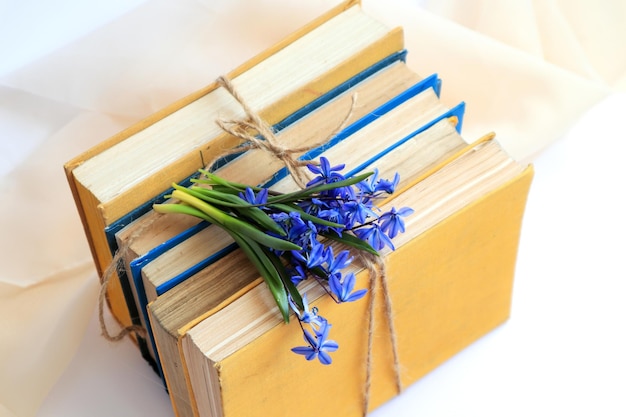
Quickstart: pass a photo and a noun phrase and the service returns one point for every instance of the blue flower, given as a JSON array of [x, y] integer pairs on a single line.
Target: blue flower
[[335, 215], [296, 227], [392, 223], [374, 236], [298, 274], [325, 173], [311, 258], [342, 288], [373, 185], [319, 345], [388, 186], [313, 206], [336, 264], [304, 235], [308, 316], [259, 199], [281, 219], [368, 185], [298, 231], [358, 211]]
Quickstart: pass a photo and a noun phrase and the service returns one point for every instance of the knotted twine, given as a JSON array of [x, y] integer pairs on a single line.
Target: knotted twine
[[267, 141], [107, 274]]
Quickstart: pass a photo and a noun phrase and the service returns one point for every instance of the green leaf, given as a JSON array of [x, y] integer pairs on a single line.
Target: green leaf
[[298, 195], [351, 240], [284, 275], [237, 204], [214, 179], [288, 208], [234, 224], [181, 209], [225, 190], [268, 271], [206, 195]]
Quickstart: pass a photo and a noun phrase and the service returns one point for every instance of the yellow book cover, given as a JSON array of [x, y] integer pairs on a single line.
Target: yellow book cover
[[103, 197], [450, 282]]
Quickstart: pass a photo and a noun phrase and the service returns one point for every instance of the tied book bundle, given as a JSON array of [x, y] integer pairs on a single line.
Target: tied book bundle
[[334, 233]]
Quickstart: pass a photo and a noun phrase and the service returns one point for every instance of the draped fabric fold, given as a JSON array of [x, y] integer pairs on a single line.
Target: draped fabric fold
[[527, 69]]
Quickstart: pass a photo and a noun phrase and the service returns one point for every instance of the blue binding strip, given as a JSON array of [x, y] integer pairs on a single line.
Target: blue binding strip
[[171, 283], [429, 82], [458, 111]]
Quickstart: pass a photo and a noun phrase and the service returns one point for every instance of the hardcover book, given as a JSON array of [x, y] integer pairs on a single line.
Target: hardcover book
[[337, 90]]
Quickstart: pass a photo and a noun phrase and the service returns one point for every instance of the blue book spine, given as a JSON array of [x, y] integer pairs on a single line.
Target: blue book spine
[[458, 111]]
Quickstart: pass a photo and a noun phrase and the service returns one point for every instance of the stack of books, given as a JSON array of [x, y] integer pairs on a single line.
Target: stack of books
[[213, 331]]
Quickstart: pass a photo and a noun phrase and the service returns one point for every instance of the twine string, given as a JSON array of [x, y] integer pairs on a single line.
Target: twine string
[[373, 274], [245, 129], [113, 267], [393, 336], [378, 272], [107, 275]]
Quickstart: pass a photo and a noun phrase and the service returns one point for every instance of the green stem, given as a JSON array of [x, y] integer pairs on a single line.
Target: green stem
[[233, 224], [268, 271]]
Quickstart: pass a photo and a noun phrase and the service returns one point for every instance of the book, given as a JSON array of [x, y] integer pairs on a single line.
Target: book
[[152, 249], [128, 170], [207, 291], [214, 331], [450, 280]]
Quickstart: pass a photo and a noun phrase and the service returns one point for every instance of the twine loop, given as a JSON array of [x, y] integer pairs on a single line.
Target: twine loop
[[378, 274], [108, 273], [266, 139]]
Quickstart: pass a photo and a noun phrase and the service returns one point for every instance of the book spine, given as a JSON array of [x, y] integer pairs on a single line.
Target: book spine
[[458, 111]]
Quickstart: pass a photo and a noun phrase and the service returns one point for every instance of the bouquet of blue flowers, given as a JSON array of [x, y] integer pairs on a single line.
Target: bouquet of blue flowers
[[286, 235]]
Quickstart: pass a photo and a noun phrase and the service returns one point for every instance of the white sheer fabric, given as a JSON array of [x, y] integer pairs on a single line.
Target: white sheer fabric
[[527, 70]]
